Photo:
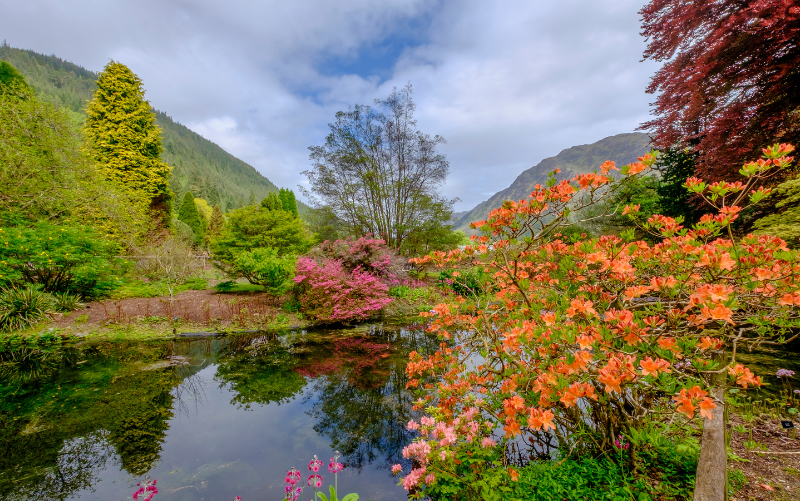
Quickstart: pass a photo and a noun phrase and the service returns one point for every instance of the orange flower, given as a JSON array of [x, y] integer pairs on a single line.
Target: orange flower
[[607, 166], [650, 366], [539, 419], [709, 342], [790, 299], [584, 307], [513, 404], [706, 405], [513, 473], [548, 318], [635, 291], [511, 427], [636, 168], [719, 312], [744, 376]]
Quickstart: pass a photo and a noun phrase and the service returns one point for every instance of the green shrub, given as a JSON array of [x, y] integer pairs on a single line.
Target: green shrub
[[24, 306], [660, 473], [59, 258], [464, 282], [66, 302], [252, 228], [225, 286], [266, 268]]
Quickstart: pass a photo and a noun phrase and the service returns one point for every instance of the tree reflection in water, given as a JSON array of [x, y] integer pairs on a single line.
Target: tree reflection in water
[[363, 407], [61, 430]]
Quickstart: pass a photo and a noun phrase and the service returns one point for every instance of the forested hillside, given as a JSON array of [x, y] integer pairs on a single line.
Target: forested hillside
[[622, 149], [199, 165]]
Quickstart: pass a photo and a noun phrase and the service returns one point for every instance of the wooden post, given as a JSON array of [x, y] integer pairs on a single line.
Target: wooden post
[[711, 483]]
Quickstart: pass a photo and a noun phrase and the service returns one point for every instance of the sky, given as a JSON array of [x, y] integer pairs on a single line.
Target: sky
[[506, 83]]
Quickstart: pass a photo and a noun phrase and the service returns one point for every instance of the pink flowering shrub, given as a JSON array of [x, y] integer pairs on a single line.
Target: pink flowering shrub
[[329, 293], [367, 253]]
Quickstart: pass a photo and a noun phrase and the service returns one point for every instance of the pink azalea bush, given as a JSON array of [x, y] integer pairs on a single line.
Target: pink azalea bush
[[329, 293], [365, 253]]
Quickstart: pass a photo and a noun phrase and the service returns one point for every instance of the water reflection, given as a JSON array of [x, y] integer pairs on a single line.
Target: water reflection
[[179, 411]]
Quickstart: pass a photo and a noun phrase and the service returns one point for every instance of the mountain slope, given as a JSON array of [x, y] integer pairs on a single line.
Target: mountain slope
[[622, 149], [198, 164]]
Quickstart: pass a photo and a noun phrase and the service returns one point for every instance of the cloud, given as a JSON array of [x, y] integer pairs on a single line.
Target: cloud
[[507, 83]]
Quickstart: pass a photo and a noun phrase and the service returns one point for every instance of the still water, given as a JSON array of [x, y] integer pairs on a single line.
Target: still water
[[210, 418]]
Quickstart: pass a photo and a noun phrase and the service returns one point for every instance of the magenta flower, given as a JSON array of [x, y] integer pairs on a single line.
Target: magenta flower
[[149, 489], [314, 481], [314, 464]]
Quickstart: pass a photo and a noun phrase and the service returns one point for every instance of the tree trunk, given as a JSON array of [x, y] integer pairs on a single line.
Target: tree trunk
[[712, 469]]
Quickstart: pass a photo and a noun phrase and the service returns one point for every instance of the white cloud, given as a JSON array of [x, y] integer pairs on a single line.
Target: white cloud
[[507, 83]]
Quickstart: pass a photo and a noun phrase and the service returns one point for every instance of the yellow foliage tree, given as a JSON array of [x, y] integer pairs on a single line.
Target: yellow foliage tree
[[125, 141]]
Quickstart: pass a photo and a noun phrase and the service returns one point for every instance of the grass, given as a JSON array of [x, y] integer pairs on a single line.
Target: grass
[[139, 288]]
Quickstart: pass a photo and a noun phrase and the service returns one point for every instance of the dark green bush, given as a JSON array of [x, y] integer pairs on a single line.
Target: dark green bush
[[21, 307]]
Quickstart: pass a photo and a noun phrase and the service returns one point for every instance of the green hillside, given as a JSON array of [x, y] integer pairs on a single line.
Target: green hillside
[[198, 164], [622, 149]]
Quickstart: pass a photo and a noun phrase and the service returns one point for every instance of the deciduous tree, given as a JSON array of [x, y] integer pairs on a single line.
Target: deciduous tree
[[731, 77], [378, 173]]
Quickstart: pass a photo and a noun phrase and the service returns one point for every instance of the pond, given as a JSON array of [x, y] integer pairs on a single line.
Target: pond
[[210, 418]]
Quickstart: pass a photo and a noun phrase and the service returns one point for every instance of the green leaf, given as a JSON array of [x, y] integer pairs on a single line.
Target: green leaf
[[350, 497]]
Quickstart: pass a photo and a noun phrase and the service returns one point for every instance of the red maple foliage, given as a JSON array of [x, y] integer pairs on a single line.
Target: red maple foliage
[[731, 77]]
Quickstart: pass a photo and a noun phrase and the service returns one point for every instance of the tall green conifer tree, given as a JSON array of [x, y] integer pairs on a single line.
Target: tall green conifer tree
[[189, 214], [125, 140], [288, 201]]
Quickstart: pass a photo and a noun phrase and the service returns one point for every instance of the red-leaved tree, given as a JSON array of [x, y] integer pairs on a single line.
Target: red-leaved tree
[[731, 77]]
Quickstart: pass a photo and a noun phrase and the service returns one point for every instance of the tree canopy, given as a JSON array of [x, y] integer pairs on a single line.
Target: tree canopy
[[124, 139], [730, 81], [378, 173]]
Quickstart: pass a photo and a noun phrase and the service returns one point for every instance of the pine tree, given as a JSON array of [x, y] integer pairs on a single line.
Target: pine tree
[[288, 201], [217, 224], [189, 214], [124, 139], [252, 199]]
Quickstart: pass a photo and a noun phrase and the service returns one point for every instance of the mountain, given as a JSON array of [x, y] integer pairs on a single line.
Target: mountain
[[199, 165], [622, 149]]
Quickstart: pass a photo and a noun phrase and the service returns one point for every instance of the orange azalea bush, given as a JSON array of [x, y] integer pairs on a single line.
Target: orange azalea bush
[[585, 343]]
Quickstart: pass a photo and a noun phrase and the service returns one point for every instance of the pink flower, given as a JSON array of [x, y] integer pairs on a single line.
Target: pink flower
[[412, 479], [488, 442], [397, 469], [412, 425], [430, 478], [427, 421]]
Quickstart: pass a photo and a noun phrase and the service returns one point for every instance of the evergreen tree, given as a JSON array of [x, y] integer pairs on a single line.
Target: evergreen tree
[[124, 139], [189, 214], [12, 80], [288, 201], [251, 200], [272, 202], [673, 198], [217, 224]]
